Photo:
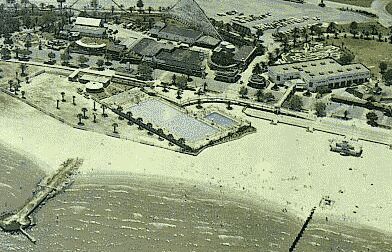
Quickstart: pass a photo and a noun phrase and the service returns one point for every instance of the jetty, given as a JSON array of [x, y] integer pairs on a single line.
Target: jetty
[[47, 188], [301, 232]]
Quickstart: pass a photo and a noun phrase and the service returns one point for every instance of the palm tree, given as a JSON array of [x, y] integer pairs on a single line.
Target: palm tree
[[80, 117], [61, 2], [181, 141], [174, 78], [103, 106], [229, 107], [140, 122], [199, 104], [23, 68], [51, 57], [179, 93], [140, 5], [165, 87], [372, 118], [62, 96], [119, 110], [84, 110], [129, 116], [11, 83]]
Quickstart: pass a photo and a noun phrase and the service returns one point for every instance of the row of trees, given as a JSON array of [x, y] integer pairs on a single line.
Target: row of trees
[[386, 73]]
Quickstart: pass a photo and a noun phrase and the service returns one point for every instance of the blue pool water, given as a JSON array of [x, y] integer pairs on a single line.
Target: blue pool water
[[220, 119], [175, 121]]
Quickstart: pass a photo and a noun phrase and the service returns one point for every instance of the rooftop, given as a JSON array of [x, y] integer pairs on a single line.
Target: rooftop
[[243, 53], [319, 68], [181, 57], [181, 31], [208, 40], [149, 47], [88, 30], [93, 22]]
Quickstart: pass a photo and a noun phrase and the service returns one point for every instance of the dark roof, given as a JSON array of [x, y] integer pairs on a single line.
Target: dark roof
[[149, 47], [116, 48], [243, 53], [208, 40], [181, 31], [88, 30], [181, 57]]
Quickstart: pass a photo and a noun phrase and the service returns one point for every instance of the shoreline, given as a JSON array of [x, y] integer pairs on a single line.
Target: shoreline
[[260, 176]]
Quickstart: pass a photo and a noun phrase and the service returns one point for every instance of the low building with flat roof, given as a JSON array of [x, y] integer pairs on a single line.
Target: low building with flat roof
[[208, 42], [88, 31], [181, 60], [180, 34], [147, 47], [324, 73], [92, 22]]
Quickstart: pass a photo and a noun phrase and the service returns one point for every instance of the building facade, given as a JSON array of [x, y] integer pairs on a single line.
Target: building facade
[[325, 73]]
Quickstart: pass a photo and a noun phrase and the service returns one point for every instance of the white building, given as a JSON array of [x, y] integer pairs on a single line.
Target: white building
[[91, 22], [320, 73]]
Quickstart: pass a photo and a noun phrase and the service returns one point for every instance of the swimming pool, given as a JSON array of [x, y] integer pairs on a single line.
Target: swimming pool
[[175, 121], [220, 119]]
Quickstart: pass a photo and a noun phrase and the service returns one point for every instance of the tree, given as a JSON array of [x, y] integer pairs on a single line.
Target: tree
[[179, 93], [83, 60], [174, 79], [388, 77], [383, 67], [372, 118], [115, 125], [23, 68], [243, 92], [259, 95], [182, 82], [140, 5], [51, 56], [80, 117], [150, 9], [353, 26], [320, 108], [65, 57], [229, 107], [5, 53], [165, 87], [346, 57], [145, 71], [256, 69], [295, 103], [62, 96], [84, 110], [269, 97], [100, 63], [332, 27]]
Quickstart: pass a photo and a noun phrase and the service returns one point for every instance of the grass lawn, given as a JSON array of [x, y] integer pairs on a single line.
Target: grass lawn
[[363, 3], [368, 52], [366, 26], [389, 8]]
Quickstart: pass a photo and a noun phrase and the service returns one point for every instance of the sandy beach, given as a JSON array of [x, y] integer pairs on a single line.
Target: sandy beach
[[284, 165]]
